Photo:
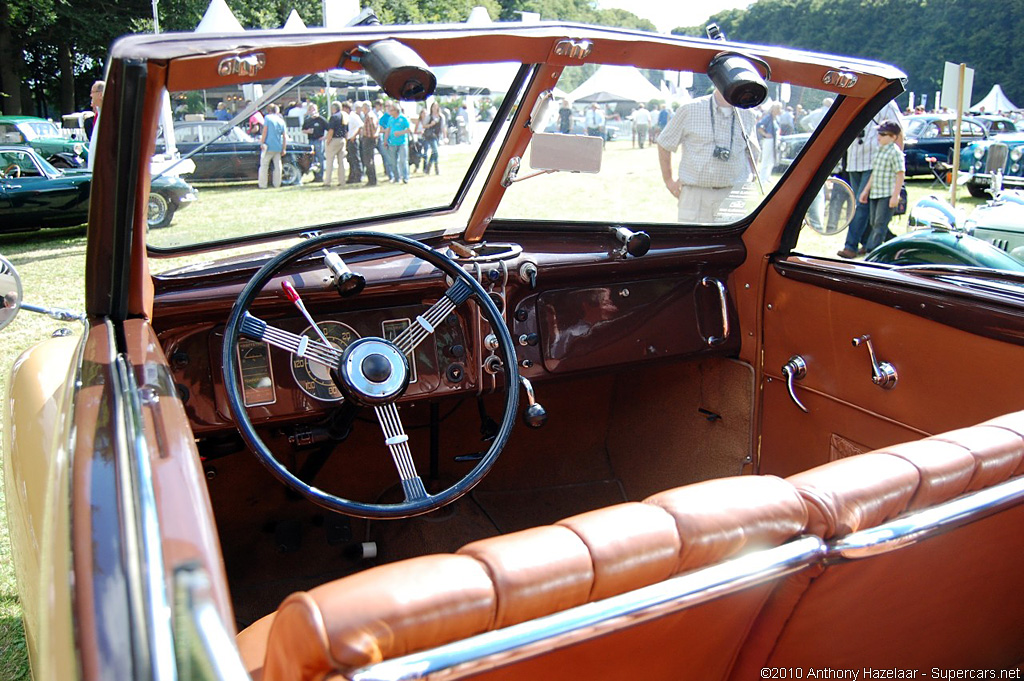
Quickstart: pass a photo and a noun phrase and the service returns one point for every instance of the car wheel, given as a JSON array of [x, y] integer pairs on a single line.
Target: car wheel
[[978, 191], [159, 211], [290, 173]]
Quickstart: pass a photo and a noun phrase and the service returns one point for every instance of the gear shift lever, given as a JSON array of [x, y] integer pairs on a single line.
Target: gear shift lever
[[535, 415]]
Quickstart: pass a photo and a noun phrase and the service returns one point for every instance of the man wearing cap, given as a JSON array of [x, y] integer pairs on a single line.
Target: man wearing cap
[[882, 191]]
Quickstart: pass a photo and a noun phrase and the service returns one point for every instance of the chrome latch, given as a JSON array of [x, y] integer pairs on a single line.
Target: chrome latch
[[794, 370], [883, 374], [723, 301]]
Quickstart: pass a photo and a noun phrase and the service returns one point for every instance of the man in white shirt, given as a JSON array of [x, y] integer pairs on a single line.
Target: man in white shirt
[[355, 164], [641, 124]]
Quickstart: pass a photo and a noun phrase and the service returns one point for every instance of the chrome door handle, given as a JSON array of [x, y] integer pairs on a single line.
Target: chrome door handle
[[794, 370], [723, 300], [883, 374]]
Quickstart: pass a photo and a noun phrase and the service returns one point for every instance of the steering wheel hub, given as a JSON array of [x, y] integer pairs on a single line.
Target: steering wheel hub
[[372, 371]]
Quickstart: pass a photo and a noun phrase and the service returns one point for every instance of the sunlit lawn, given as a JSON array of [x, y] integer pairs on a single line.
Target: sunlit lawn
[[51, 263]]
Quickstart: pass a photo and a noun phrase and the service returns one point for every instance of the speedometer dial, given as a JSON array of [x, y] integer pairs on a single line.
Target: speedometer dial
[[313, 378]]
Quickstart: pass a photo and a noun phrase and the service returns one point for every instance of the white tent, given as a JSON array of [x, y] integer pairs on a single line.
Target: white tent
[[616, 84], [294, 23], [995, 101], [219, 19]]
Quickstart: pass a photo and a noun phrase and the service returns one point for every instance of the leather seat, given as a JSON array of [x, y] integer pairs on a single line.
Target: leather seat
[[394, 609], [949, 599]]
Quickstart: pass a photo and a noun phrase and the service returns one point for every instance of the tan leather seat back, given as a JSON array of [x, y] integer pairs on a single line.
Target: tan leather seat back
[[949, 600], [395, 609]]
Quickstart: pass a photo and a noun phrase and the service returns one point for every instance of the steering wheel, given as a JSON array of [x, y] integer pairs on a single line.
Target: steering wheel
[[371, 372], [12, 171]]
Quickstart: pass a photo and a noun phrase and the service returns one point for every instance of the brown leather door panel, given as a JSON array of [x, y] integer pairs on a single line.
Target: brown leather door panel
[[948, 377]]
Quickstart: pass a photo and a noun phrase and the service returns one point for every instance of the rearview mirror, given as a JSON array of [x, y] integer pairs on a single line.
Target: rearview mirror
[[10, 292]]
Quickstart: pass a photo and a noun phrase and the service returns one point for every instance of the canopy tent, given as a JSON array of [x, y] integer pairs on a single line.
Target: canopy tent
[[995, 101], [294, 23], [616, 84], [219, 19]]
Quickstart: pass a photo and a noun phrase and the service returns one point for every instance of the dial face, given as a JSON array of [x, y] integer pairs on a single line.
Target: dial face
[[254, 367], [313, 378]]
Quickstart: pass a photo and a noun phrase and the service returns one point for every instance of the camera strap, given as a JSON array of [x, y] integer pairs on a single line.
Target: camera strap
[[732, 130]]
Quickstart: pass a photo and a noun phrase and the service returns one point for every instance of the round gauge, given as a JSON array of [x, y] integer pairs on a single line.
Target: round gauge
[[314, 378]]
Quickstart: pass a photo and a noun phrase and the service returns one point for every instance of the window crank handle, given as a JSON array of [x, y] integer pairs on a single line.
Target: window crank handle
[[883, 374]]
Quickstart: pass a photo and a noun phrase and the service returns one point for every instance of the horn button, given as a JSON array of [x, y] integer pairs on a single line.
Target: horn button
[[372, 371]]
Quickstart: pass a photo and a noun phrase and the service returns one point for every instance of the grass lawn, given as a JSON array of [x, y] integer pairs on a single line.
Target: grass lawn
[[52, 262]]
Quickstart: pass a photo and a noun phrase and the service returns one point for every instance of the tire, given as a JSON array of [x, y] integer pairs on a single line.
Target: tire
[[159, 211], [977, 191], [291, 174]]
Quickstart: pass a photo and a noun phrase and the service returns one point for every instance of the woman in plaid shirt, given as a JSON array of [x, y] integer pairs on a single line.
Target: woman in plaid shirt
[[883, 187]]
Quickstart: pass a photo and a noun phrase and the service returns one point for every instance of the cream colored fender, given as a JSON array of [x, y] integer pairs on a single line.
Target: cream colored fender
[[36, 485]]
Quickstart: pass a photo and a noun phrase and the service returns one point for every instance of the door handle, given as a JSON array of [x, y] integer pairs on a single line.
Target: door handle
[[723, 300], [794, 370]]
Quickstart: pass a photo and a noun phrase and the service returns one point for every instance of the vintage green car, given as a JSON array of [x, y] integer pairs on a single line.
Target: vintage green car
[[35, 194], [559, 411], [1001, 155], [41, 135]]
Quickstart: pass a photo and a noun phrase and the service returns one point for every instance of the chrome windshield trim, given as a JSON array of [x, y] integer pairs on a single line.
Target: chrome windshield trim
[[205, 644], [520, 641], [929, 522], [151, 607]]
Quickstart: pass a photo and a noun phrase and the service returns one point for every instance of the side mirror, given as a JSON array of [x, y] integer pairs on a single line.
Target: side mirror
[[10, 292], [832, 209]]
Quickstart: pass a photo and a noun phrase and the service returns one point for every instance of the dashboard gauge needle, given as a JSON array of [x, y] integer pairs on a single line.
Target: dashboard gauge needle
[[293, 296]]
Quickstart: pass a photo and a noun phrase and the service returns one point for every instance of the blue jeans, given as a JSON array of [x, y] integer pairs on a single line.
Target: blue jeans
[[387, 156], [857, 236], [433, 154], [880, 214], [401, 153]]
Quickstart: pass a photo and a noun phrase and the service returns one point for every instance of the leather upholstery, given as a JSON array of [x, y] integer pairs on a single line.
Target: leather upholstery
[[632, 545], [953, 594], [856, 493], [719, 518]]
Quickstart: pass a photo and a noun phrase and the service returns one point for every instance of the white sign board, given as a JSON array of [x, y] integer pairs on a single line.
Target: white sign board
[[950, 85]]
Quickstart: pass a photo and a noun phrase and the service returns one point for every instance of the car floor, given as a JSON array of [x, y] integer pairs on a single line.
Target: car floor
[[610, 437]]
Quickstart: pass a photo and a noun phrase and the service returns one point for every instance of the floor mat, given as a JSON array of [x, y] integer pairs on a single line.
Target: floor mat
[[514, 510]]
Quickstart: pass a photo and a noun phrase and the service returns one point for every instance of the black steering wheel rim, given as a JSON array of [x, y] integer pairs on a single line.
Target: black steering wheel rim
[[333, 502]]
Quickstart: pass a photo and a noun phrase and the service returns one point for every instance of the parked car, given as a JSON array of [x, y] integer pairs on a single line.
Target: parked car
[[291, 445], [983, 159], [934, 136], [933, 246], [790, 147], [234, 155], [34, 194], [44, 137], [995, 125]]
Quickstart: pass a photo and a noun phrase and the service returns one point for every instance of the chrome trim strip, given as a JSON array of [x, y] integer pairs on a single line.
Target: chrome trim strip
[[929, 522], [527, 639], [207, 649], [142, 530]]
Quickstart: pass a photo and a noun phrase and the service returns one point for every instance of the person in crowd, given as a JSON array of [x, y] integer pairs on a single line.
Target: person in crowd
[[334, 144], [399, 130], [315, 126], [96, 102], [386, 151], [859, 158], [787, 126], [297, 110], [273, 143], [254, 125], [432, 130], [462, 119], [641, 123], [565, 117], [717, 158], [355, 123], [768, 138], [222, 113], [882, 191], [659, 120], [367, 143]]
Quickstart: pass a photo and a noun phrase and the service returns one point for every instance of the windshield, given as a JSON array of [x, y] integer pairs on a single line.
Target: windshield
[[655, 125], [322, 149], [36, 129]]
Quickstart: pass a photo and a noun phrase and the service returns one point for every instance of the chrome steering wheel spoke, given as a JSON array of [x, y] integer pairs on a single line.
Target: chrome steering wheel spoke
[[297, 344], [398, 444], [425, 323]]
